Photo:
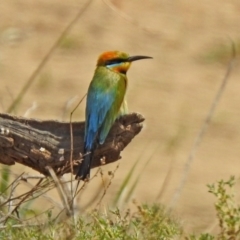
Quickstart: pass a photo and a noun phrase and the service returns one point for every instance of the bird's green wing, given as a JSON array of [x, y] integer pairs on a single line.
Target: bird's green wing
[[105, 97]]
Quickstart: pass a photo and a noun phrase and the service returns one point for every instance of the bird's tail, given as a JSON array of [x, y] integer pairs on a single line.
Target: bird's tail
[[83, 172]]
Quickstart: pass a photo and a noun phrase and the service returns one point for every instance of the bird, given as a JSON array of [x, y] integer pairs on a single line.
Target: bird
[[105, 103]]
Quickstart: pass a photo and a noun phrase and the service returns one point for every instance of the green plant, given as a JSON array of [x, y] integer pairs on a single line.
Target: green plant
[[203, 236], [228, 210], [148, 222]]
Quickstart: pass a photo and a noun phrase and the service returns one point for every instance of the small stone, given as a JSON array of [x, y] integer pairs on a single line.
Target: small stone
[[61, 151], [103, 160], [2, 130], [42, 149]]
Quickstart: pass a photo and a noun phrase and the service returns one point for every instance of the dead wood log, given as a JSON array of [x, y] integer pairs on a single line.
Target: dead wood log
[[39, 144]]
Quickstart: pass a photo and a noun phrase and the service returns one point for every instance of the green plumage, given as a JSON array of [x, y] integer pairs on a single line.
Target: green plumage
[[112, 86]]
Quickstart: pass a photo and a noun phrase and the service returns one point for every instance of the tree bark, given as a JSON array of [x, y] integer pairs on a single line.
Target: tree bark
[[40, 144]]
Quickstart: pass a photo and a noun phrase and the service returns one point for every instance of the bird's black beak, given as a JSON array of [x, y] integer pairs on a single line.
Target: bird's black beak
[[135, 58]]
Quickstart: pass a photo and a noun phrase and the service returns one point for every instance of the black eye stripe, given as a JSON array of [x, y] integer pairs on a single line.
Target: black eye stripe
[[114, 61]]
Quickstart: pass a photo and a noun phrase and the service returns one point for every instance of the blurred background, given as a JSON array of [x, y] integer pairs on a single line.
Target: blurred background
[[190, 42]]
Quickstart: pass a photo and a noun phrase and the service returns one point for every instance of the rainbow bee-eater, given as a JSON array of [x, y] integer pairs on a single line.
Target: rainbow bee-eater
[[105, 102]]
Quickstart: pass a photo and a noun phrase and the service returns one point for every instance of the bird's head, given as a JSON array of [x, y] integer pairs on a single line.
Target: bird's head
[[118, 61]]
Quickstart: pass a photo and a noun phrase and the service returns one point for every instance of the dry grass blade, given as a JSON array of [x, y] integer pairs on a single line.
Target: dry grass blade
[[27, 183], [23, 225], [64, 197], [203, 129], [123, 192], [46, 58], [14, 185], [16, 202], [138, 178], [15, 209], [166, 180]]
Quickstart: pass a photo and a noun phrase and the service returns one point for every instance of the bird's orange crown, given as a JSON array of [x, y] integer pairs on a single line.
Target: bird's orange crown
[[106, 57], [114, 60], [117, 61]]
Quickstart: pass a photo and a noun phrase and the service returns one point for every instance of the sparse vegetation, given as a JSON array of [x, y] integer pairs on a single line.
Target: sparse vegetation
[[143, 221], [19, 219], [19, 216]]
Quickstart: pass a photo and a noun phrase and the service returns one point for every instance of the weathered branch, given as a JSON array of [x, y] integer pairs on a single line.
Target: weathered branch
[[39, 144]]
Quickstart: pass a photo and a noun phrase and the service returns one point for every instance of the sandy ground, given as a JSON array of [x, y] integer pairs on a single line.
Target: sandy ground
[[190, 42]]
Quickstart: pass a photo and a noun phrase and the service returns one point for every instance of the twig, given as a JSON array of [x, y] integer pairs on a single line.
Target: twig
[[83, 187], [71, 151], [67, 105], [107, 186], [26, 177], [71, 131]]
